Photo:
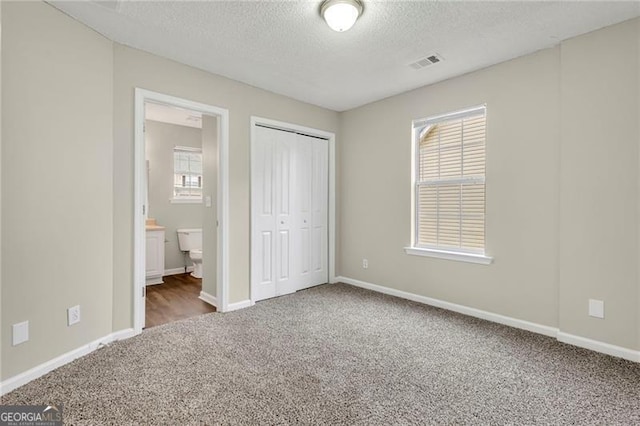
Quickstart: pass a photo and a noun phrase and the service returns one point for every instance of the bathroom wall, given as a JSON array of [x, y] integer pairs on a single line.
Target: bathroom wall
[[210, 215], [160, 139], [57, 183]]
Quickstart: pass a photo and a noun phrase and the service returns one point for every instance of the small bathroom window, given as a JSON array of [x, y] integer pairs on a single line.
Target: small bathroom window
[[187, 174]]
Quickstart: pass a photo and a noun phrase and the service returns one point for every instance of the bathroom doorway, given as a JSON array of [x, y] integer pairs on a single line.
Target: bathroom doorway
[[180, 217], [180, 153]]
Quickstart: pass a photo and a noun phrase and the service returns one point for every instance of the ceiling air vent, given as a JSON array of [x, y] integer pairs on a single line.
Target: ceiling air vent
[[427, 61]]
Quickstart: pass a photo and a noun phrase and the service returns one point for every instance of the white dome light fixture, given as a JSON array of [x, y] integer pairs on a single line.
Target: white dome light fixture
[[340, 15]]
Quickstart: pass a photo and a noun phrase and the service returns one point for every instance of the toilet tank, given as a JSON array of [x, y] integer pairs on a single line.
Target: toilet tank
[[190, 239]]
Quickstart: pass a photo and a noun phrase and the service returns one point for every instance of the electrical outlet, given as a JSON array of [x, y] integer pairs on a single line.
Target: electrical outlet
[[596, 308], [20, 333], [365, 263], [73, 315]]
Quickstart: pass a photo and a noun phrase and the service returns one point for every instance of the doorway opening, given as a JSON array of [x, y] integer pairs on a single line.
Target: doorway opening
[[181, 209]]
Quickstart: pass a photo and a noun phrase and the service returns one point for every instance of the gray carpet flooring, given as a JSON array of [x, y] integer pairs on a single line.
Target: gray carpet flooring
[[336, 354]]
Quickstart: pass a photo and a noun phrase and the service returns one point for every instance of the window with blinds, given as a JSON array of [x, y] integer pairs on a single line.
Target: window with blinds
[[187, 173], [450, 181]]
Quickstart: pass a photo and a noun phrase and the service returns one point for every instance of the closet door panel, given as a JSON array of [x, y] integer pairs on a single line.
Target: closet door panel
[[263, 215], [285, 152], [318, 243], [304, 156]]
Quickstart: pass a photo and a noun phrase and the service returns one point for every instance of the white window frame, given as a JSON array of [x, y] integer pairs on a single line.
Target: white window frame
[[186, 199], [464, 255]]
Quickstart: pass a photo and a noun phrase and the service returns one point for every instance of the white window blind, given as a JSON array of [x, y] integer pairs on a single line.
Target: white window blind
[[187, 173], [450, 182]]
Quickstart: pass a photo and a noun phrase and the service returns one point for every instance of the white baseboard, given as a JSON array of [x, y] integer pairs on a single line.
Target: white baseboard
[[177, 271], [239, 305], [120, 335], [154, 281], [44, 368], [212, 300], [206, 297], [473, 312], [594, 345]]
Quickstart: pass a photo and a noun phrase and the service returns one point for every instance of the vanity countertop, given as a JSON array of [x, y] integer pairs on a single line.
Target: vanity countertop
[[152, 225]]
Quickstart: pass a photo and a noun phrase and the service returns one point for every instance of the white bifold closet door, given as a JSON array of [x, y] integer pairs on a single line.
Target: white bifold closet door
[[289, 195]]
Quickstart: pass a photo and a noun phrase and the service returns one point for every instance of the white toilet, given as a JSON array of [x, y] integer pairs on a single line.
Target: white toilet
[[191, 240]]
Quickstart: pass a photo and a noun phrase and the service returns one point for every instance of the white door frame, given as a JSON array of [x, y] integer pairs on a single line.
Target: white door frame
[[222, 290], [331, 137]]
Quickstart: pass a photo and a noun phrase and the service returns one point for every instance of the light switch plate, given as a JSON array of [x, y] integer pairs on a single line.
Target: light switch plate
[[596, 308], [20, 332], [207, 201]]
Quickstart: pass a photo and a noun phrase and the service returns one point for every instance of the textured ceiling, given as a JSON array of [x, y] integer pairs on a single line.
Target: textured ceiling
[[285, 46]]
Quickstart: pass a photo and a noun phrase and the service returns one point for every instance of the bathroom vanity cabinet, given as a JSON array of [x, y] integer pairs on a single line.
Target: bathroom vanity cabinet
[[155, 255]]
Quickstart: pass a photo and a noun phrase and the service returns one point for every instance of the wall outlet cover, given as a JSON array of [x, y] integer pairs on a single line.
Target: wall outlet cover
[[73, 315], [20, 332], [596, 308]]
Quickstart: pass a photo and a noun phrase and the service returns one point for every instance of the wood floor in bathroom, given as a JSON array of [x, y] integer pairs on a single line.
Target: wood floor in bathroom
[[175, 299]]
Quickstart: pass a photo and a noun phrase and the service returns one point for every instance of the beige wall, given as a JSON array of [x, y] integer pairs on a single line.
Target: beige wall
[[210, 215], [2, 340], [71, 95], [599, 184], [57, 187], [67, 135], [562, 188], [160, 139], [134, 68], [522, 202]]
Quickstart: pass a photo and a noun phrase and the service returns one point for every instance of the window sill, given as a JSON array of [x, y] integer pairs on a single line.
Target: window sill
[[185, 201], [449, 255]]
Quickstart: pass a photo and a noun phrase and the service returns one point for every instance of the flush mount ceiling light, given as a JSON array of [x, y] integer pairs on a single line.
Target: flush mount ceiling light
[[340, 15]]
